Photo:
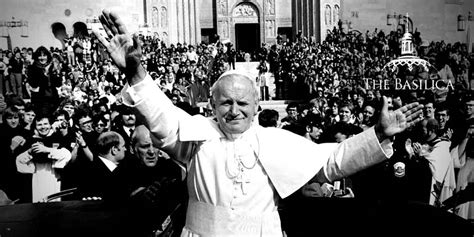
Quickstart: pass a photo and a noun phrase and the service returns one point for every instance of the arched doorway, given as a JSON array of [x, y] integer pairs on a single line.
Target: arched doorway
[[247, 27]]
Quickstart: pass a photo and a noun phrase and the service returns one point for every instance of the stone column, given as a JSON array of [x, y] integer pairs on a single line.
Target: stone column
[[186, 20], [197, 24], [192, 22], [180, 25]]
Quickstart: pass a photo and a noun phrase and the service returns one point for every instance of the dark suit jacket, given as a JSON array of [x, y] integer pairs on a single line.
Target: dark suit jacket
[[120, 130], [150, 214], [97, 178]]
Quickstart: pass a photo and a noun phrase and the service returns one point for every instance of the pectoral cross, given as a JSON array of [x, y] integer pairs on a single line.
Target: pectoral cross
[[242, 180]]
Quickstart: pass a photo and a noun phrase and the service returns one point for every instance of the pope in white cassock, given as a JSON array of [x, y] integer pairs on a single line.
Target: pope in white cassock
[[237, 170]]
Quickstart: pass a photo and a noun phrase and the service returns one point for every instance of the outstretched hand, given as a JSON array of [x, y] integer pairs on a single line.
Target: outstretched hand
[[393, 122], [124, 50]]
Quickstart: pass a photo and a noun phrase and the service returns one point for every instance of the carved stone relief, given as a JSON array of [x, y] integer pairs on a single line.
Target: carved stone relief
[[335, 14], [270, 28], [327, 15], [154, 17], [164, 37], [164, 17], [224, 29], [222, 7], [269, 7], [244, 10]]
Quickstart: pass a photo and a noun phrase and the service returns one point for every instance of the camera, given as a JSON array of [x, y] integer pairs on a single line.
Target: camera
[[63, 125]]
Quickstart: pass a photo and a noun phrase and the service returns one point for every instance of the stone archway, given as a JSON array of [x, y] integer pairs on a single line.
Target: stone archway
[[246, 28]]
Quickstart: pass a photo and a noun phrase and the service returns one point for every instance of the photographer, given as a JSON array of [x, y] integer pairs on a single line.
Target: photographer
[[63, 130], [43, 157]]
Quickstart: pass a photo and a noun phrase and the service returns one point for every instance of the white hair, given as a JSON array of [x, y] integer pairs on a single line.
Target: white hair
[[238, 73]]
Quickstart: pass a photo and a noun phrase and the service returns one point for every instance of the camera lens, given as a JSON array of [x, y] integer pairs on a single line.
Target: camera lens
[[63, 124]]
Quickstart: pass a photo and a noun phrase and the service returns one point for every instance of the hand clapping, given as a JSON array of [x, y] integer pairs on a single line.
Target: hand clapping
[[38, 147]]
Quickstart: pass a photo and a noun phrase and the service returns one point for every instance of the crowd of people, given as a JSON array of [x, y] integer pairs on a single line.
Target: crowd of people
[[64, 123]]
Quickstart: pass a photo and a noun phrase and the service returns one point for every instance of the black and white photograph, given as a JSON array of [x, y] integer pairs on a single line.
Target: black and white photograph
[[236, 118]]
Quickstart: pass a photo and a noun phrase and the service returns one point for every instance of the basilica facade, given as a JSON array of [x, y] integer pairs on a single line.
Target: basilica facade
[[245, 23]]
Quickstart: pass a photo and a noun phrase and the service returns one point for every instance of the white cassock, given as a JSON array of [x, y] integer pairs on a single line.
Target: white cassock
[[234, 184], [45, 180]]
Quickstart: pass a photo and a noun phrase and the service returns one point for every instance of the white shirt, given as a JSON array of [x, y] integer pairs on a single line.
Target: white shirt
[[127, 130], [110, 165]]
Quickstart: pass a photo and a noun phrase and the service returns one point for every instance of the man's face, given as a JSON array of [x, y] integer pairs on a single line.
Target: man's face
[[470, 108], [144, 150], [345, 114], [128, 119], [334, 109], [121, 148], [69, 108], [292, 112], [368, 113], [442, 117], [174, 100], [355, 97], [29, 116], [43, 127], [315, 133], [429, 110], [235, 104], [397, 102], [62, 120], [370, 95], [360, 102], [85, 124], [169, 78], [13, 121]]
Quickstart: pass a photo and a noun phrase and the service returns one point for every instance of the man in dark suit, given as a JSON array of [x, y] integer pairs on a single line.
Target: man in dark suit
[[111, 149], [125, 124], [154, 186]]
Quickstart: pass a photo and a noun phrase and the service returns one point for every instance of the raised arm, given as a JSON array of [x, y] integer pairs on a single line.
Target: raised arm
[[394, 122], [124, 50], [152, 107], [363, 150]]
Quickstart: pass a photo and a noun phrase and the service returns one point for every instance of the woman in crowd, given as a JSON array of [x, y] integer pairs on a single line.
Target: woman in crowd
[[44, 76]]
